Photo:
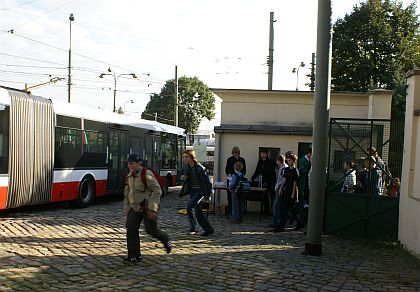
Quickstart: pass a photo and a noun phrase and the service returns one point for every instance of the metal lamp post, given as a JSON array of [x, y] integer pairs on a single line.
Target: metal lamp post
[[115, 76], [71, 18], [296, 70]]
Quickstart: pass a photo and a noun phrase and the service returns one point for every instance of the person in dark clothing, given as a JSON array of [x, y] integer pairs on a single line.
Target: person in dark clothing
[[200, 187], [229, 170], [266, 168], [288, 191], [304, 166]]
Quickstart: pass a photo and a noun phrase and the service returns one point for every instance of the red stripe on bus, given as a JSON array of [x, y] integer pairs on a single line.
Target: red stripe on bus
[[3, 197], [101, 187], [65, 191]]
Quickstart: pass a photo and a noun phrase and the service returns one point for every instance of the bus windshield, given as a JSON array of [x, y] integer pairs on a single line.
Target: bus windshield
[[4, 138]]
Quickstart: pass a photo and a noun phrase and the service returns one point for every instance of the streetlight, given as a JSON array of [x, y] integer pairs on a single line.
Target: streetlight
[[128, 101], [115, 81], [296, 70], [71, 18]]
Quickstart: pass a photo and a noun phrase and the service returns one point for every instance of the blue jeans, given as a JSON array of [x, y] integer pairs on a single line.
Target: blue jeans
[[276, 210], [195, 213], [238, 206]]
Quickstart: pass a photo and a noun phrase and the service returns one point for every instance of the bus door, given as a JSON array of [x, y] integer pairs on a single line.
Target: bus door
[[118, 152], [152, 150]]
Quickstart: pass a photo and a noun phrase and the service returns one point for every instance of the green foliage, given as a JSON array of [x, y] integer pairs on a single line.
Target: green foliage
[[374, 46], [195, 102]]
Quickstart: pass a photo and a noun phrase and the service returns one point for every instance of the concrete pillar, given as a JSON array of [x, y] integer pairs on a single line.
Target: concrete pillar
[[409, 227], [380, 101]]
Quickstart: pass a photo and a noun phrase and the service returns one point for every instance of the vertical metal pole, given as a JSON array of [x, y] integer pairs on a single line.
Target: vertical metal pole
[[312, 86], [69, 77], [115, 92], [176, 97], [270, 52], [313, 245]]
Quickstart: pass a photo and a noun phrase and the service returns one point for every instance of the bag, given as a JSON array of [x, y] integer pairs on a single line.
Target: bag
[[243, 185], [161, 181]]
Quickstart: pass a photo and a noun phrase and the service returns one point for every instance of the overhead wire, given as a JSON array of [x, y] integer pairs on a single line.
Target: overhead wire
[[41, 15], [17, 5]]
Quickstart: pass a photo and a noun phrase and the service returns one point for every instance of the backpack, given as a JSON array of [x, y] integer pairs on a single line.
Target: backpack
[[243, 185], [161, 181]]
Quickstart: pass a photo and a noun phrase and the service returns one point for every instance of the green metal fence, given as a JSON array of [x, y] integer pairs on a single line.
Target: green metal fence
[[373, 149]]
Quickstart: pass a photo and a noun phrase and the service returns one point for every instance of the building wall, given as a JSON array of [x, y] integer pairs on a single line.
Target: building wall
[[247, 108], [409, 223], [293, 108]]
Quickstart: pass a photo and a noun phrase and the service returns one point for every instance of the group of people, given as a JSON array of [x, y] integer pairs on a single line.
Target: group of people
[[142, 199], [370, 178], [287, 184]]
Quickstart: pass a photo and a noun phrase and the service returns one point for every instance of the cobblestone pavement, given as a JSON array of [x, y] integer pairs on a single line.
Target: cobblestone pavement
[[55, 248]]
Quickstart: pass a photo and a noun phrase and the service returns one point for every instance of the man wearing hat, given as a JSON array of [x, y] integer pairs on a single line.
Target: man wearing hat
[[141, 202]]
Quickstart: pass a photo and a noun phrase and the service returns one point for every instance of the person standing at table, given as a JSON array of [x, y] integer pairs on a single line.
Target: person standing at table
[[266, 168], [238, 199], [229, 170], [200, 187]]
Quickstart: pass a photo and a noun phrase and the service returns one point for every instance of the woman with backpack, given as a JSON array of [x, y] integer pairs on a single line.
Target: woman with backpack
[[238, 198], [199, 187]]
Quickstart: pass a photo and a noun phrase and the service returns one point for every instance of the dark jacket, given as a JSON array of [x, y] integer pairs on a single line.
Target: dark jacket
[[231, 162], [206, 186], [267, 168]]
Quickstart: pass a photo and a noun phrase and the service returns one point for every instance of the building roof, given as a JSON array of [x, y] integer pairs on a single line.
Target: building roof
[[264, 129]]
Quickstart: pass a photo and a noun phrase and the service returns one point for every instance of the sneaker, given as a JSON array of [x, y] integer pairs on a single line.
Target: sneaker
[[207, 233], [133, 260], [168, 246], [193, 231]]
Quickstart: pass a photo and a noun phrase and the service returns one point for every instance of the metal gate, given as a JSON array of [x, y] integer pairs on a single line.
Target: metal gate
[[369, 151]]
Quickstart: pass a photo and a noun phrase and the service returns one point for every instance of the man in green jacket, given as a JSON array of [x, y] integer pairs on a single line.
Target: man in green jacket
[[141, 202], [304, 166]]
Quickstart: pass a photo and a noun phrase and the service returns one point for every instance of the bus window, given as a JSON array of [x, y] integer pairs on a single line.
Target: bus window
[[69, 122], [169, 151], [4, 138], [68, 147]]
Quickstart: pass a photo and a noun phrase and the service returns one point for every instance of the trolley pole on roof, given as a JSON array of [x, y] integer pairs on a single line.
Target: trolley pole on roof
[[313, 245]]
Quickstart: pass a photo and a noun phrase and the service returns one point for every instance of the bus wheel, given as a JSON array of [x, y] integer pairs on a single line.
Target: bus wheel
[[86, 192]]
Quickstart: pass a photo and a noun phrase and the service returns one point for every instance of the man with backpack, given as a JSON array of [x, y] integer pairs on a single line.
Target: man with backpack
[[141, 202], [238, 185]]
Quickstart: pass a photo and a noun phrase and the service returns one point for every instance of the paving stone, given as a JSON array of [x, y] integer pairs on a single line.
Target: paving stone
[[51, 248]]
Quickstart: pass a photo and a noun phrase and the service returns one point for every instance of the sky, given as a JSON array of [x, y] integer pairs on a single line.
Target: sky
[[223, 43]]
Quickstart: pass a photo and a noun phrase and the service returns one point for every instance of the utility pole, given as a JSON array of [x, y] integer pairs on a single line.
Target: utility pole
[[176, 97], [270, 60], [312, 84], [313, 245], [71, 18]]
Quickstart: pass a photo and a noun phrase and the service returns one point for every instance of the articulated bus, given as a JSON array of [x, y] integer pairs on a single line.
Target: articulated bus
[[52, 151]]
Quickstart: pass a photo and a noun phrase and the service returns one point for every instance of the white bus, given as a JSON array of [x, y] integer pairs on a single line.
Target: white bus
[[52, 151]]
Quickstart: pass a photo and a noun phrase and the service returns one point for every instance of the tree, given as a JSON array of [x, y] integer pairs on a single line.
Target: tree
[[195, 102], [374, 46]]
